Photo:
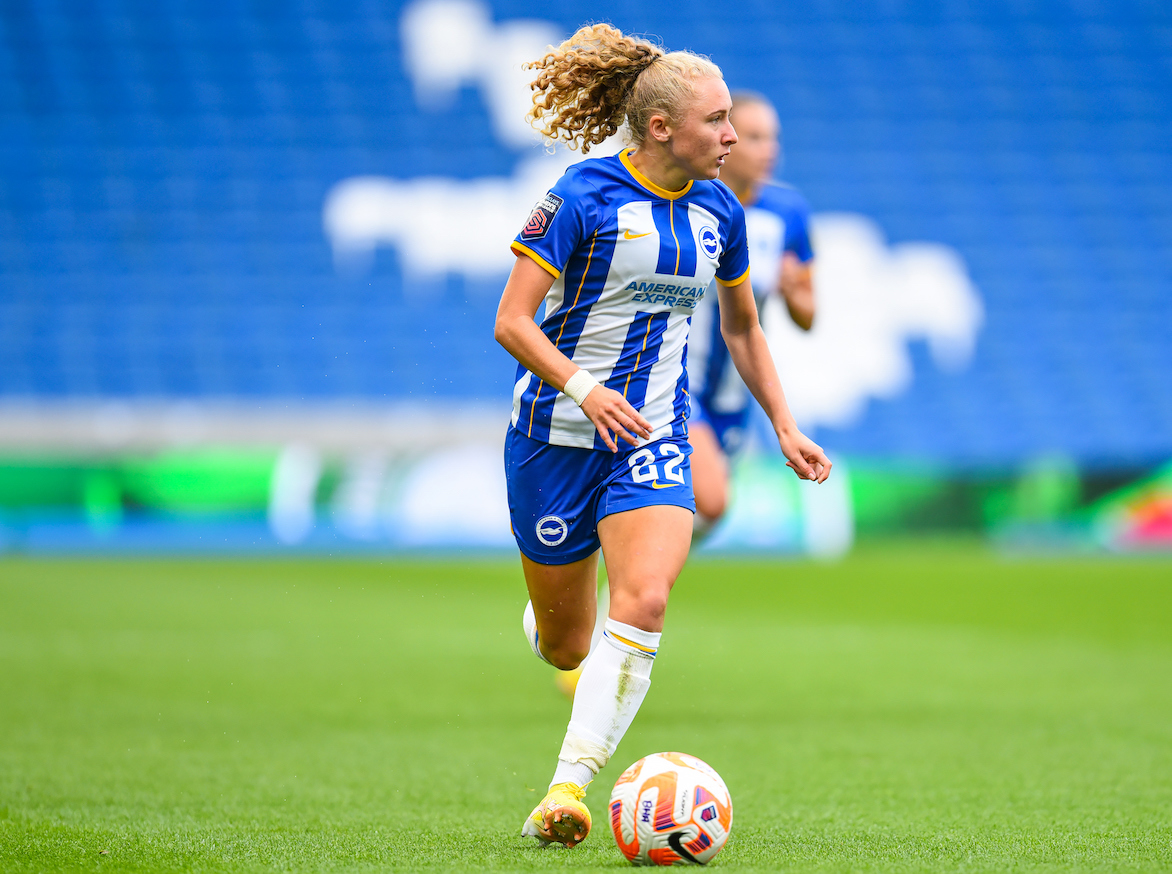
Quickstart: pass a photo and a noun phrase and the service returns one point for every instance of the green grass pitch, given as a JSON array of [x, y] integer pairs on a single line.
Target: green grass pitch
[[903, 710]]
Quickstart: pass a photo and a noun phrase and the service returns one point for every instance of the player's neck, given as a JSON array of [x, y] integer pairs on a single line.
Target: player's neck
[[663, 173]]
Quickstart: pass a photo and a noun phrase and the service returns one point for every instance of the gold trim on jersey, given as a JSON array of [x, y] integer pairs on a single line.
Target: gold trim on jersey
[[522, 249], [625, 157], [638, 358], [729, 283]]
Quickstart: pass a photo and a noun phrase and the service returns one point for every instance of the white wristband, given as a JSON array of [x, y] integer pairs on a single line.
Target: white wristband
[[579, 385]]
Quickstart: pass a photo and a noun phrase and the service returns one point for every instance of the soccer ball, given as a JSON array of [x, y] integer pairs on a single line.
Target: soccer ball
[[668, 808]]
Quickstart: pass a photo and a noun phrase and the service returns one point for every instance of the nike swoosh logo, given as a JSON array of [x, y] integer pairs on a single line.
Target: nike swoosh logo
[[676, 841], [627, 235], [659, 485]]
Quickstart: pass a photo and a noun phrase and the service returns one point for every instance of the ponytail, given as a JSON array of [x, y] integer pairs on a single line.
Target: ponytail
[[597, 79]]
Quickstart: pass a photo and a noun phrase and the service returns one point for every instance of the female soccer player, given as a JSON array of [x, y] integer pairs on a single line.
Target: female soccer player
[[620, 251], [777, 219]]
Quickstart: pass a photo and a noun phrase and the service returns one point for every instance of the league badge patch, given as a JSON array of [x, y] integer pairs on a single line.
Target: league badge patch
[[541, 217]]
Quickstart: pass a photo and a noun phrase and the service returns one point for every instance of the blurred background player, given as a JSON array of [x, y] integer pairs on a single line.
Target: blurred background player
[[777, 218], [619, 250]]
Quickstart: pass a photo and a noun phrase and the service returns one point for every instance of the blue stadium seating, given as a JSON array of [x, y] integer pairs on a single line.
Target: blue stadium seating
[[163, 167]]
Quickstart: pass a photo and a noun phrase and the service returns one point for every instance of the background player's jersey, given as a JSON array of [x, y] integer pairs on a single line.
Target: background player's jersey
[[778, 222], [631, 261]]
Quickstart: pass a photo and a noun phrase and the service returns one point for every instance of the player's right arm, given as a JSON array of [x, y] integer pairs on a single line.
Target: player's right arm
[[517, 331]]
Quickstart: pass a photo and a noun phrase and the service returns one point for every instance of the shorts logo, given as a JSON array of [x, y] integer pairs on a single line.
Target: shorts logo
[[552, 530], [541, 217], [709, 242]]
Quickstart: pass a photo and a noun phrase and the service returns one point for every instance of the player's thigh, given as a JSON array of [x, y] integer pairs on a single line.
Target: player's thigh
[[564, 600], [709, 470], [645, 551]]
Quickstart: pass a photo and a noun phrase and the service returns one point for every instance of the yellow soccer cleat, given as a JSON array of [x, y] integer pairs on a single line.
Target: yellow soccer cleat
[[561, 817]]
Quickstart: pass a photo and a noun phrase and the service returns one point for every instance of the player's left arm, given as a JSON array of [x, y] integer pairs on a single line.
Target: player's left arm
[[795, 282], [796, 286], [741, 328]]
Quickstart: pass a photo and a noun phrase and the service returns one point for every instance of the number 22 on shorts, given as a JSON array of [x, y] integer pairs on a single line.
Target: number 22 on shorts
[[644, 468]]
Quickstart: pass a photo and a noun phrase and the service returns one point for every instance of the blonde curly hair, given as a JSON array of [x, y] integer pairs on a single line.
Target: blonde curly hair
[[597, 79]]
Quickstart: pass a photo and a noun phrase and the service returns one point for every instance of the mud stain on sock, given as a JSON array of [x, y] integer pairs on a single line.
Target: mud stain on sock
[[626, 675]]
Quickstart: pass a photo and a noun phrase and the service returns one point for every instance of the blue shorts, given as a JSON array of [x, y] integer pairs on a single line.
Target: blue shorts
[[728, 427], [558, 494]]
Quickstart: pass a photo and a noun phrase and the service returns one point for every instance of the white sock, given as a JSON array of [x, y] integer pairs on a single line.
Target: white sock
[[571, 772], [614, 683], [529, 624]]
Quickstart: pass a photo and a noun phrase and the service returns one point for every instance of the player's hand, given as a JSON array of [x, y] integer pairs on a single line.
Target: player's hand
[[804, 456], [610, 411]]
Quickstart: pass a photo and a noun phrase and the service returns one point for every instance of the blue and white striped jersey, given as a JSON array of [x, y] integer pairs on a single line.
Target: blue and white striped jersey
[[778, 221], [631, 261]]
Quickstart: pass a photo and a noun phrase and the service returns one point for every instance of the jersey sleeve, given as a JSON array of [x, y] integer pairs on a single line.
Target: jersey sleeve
[[797, 230], [565, 216], [734, 258]]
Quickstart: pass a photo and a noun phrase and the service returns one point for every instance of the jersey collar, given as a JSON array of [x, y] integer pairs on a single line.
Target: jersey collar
[[625, 157]]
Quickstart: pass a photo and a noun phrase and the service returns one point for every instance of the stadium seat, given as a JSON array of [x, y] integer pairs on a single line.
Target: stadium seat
[[164, 167]]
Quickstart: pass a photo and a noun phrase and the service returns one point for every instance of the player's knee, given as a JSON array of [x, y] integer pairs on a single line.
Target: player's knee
[[644, 606], [711, 503], [565, 658], [567, 649]]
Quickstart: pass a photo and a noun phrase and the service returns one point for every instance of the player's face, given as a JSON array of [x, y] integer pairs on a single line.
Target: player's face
[[753, 159], [702, 141]]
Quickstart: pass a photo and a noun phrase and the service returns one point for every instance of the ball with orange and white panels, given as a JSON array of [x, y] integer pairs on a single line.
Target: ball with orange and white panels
[[670, 808]]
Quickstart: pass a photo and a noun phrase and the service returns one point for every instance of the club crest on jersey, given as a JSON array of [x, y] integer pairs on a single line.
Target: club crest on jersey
[[709, 242], [541, 217], [552, 530]]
